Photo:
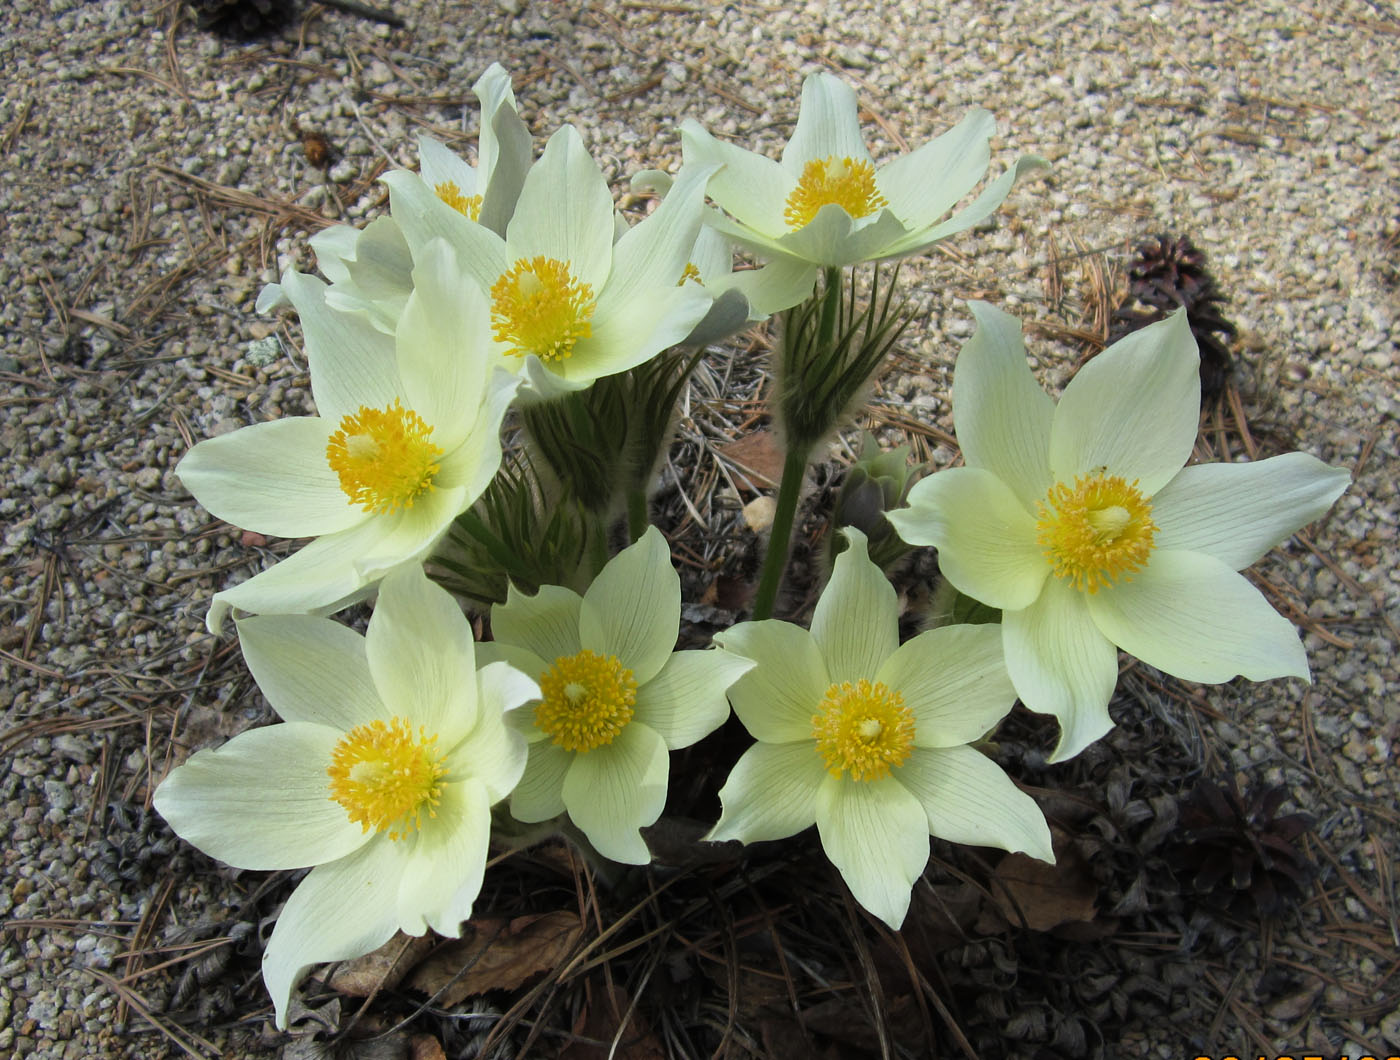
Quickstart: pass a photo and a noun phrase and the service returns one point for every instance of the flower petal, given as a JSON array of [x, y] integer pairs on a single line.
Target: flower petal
[[777, 698], [653, 253], [411, 534], [443, 869], [969, 799], [633, 608], [827, 124], [924, 184], [834, 238], [750, 186], [350, 360], [565, 211], [633, 331], [444, 346], [439, 164], [262, 800], [985, 537], [504, 147], [977, 211], [1192, 616], [423, 217], [1133, 410], [954, 679], [614, 790], [1001, 415], [272, 478], [686, 700], [320, 577], [495, 752], [1237, 512], [546, 623], [311, 669], [771, 793], [876, 834], [540, 793], [343, 909], [779, 285], [1062, 665], [856, 621], [422, 655], [474, 463]]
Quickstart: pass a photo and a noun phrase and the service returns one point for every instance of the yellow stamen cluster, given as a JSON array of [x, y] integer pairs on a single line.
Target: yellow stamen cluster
[[690, 272], [1095, 532], [383, 457], [586, 700], [386, 777], [843, 181], [468, 206], [539, 307], [863, 729]]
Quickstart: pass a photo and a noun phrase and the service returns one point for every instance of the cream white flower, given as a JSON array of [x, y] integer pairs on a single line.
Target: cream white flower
[[407, 438], [1081, 523], [393, 749], [827, 204], [371, 269], [868, 738], [615, 699], [571, 300]]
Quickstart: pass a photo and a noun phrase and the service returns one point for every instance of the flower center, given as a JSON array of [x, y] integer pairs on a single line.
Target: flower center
[[383, 457], [586, 700], [469, 206], [863, 729], [690, 273], [385, 777], [1095, 532], [538, 307], [843, 181]]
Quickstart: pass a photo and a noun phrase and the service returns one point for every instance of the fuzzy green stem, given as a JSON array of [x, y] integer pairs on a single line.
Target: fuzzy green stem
[[775, 562], [831, 292], [598, 544], [637, 514]]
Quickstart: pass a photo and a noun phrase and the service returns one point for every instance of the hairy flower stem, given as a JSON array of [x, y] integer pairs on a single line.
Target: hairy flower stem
[[795, 463], [775, 561], [637, 515]]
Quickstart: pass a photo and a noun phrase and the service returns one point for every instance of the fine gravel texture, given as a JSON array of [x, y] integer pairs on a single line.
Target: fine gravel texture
[[156, 175]]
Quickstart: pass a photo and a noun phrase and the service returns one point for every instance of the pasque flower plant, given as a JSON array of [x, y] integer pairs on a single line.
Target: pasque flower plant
[[868, 738], [1080, 522], [407, 437], [570, 299], [392, 749], [827, 203], [615, 696]]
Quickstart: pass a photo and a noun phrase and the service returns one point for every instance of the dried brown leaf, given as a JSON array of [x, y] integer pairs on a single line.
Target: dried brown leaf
[[381, 969], [1044, 896], [496, 954], [758, 453], [426, 1047]]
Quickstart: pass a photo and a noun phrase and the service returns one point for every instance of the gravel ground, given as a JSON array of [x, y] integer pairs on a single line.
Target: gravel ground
[[155, 176]]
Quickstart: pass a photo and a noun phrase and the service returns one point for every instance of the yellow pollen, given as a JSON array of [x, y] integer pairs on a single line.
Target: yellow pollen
[[586, 700], [863, 729], [690, 272], [385, 777], [468, 206], [383, 457], [843, 181], [538, 307], [1096, 532]]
